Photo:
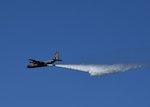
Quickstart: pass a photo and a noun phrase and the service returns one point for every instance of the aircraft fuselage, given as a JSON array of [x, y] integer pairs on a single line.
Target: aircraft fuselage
[[36, 65]]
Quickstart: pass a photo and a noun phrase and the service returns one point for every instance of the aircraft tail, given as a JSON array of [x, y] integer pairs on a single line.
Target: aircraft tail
[[56, 57]]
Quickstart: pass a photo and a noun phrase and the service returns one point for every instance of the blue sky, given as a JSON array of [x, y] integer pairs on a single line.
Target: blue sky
[[83, 31]]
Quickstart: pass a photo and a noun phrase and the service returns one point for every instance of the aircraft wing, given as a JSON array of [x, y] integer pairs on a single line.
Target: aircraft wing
[[35, 61]]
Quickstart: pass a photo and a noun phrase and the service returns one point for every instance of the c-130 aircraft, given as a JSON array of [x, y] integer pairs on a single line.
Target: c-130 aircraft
[[35, 63]]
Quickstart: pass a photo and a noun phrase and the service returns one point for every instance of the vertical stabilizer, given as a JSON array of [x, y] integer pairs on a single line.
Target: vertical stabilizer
[[56, 57]]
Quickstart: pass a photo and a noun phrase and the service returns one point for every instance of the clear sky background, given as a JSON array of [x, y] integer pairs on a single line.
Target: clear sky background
[[83, 31]]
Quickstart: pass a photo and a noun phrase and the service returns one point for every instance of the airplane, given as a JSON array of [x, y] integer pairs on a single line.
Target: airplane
[[35, 63]]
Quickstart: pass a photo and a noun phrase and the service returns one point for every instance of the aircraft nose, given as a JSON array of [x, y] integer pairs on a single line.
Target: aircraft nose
[[28, 66]]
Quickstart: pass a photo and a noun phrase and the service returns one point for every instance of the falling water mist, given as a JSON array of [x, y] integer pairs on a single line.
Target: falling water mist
[[98, 70]]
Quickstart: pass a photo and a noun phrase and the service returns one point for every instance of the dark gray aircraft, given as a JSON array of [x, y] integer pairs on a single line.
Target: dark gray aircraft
[[35, 63]]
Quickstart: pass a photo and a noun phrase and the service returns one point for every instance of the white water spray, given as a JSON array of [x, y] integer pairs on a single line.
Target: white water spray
[[98, 70]]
